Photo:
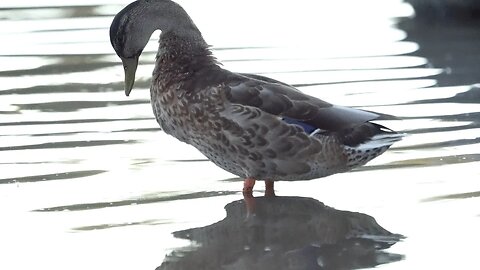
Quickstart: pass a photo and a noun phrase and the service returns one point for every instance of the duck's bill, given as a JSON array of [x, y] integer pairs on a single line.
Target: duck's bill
[[130, 67]]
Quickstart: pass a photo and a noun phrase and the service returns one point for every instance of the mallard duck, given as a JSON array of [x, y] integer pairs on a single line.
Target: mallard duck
[[252, 126]]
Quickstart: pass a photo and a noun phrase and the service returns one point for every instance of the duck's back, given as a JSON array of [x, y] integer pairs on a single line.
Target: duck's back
[[254, 126]]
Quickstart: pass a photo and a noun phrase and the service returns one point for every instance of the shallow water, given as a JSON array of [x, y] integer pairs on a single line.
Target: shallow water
[[88, 181]]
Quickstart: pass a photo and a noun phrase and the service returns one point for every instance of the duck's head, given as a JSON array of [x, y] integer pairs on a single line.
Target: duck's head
[[132, 27], [128, 39]]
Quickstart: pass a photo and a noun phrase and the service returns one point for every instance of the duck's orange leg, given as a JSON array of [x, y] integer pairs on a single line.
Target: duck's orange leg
[[248, 185], [269, 191]]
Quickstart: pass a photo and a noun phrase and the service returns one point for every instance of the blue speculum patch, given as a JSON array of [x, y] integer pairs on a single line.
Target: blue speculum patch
[[309, 129]]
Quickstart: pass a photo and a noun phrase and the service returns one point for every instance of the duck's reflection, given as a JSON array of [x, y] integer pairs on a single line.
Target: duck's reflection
[[285, 233]]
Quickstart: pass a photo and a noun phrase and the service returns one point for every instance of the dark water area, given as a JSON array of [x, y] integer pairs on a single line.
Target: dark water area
[[89, 181], [285, 233]]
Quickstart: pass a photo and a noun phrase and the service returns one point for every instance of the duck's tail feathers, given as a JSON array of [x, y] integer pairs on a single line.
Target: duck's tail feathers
[[381, 140], [362, 153]]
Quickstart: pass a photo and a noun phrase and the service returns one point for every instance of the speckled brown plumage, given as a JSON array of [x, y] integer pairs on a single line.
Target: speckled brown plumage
[[252, 126]]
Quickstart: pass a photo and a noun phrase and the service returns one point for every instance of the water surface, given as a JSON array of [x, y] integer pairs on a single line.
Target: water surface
[[88, 181]]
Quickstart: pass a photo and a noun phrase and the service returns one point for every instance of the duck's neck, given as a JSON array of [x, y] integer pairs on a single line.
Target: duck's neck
[[181, 54]]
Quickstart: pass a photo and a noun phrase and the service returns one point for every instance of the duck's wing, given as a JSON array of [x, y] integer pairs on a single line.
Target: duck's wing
[[265, 79], [287, 102]]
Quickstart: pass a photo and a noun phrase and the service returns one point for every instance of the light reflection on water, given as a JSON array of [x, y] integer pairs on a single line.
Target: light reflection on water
[[87, 170]]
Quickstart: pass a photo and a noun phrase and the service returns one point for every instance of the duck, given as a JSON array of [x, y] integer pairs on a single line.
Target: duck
[[252, 126]]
